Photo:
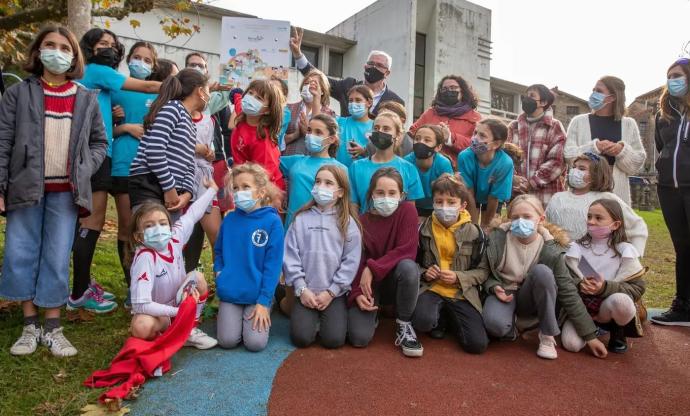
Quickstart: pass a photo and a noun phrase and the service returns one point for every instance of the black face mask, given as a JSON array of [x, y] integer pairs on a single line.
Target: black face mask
[[529, 104], [381, 140], [372, 74], [105, 56], [449, 97], [422, 151]]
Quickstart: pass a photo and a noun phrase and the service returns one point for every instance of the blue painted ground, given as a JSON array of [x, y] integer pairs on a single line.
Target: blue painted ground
[[217, 381]]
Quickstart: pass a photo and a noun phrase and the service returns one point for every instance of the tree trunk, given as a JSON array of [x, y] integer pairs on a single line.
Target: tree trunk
[[79, 16]]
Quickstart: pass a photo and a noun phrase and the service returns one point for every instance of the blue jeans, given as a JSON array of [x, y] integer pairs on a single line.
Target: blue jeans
[[38, 243]]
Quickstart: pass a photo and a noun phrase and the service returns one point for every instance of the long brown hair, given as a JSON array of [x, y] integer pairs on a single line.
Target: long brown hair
[[149, 46], [332, 127], [133, 238], [616, 86], [178, 87], [666, 99], [271, 121], [600, 176], [345, 208], [617, 236], [390, 173], [33, 62]]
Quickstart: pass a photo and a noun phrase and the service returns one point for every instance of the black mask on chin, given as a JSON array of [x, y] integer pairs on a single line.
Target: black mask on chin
[[449, 97], [105, 56], [381, 140], [529, 104], [372, 74]]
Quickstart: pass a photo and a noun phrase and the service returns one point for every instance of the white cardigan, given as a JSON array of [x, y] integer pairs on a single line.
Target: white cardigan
[[628, 162]]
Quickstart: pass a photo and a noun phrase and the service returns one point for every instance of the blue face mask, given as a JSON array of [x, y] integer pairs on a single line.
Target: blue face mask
[[244, 200], [357, 110], [139, 69], [55, 61], [322, 196], [314, 143], [596, 100], [522, 228], [157, 237], [386, 206], [479, 148], [677, 87], [251, 105]]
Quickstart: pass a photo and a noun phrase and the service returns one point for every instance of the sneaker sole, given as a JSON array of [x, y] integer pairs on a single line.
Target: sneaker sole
[[413, 353], [21, 354], [547, 357], [679, 323], [201, 347], [96, 311]]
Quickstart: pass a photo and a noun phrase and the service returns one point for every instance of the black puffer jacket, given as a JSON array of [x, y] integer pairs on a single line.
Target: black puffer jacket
[[672, 138]]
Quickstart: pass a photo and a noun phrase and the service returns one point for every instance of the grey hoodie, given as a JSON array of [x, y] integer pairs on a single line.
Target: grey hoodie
[[317, 256]]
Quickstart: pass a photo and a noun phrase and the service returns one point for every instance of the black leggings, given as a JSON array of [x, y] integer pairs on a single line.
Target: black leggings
[[675, 205]]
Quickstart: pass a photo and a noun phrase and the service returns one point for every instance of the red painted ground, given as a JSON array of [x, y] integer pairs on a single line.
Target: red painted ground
[[653, 378]]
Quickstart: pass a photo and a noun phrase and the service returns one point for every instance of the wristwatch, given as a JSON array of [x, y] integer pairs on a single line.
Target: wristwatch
[[330, 292], [299, 291]]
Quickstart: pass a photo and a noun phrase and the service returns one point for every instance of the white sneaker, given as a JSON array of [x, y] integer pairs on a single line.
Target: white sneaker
[[58, 344], [28, 341], [198, 339], [547, 347]]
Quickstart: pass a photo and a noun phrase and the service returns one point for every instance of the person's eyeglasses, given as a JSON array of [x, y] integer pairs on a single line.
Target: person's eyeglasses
[[454, 89], [377, 65], [592, 156]]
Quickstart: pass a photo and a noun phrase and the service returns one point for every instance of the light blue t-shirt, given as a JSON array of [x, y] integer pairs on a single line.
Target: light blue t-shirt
[[300, 171], [495, 180], [439, 166], [287, 115], [107, 80], [362, 170], [351, 130], [124, 149]]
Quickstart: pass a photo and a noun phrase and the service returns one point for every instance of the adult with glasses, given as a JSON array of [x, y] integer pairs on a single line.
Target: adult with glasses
[[377, 69], [607, 133]]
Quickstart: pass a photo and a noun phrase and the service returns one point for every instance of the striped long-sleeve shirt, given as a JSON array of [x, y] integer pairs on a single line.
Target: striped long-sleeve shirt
[[167, 149]]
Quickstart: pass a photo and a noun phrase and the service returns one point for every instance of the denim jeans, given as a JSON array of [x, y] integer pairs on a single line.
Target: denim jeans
[[38, 243]]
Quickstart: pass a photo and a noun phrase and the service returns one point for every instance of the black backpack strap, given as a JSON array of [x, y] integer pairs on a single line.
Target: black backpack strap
[[478, 248]]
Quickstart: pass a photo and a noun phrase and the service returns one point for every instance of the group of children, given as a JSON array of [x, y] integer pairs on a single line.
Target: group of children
[[364, 230]]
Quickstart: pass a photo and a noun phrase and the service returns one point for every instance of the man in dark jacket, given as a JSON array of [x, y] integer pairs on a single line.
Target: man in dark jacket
[[377, 69]]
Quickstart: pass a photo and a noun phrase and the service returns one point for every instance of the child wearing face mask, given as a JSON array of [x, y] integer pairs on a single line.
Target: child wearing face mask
[[160, 282], [255, 136], [450, 249], [527, 275], [426, 156], [590, 179], [610, 278], [387, 134], [387, 271], [314, 100], [353, 129], [486, 169], [321, 142], [164, 169], [248, 259], [322, 253]]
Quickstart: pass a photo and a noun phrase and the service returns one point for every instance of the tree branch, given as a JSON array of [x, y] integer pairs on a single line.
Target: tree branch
[[52, 11]]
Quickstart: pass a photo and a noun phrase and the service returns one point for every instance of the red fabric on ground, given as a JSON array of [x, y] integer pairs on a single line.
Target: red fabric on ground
[[652, 378], [138, 358]]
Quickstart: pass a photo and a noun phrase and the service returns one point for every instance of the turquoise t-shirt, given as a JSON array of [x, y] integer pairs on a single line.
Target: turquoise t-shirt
[[107, 80], [362, 170], [300, 170], [439, 166], [287, 115], [136, 106], [351, 130], [495, 180]]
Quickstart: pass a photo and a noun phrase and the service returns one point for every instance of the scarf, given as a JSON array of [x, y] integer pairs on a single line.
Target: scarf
[[452, 111]]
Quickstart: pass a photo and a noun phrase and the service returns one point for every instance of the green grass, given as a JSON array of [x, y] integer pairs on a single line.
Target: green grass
[[43, 385]]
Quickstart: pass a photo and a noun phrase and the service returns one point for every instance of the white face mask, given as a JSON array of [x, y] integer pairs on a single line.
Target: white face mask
[[447, 215], [386, 206], [576, 178]]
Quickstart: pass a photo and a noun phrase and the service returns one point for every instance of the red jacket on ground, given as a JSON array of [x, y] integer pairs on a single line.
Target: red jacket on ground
[[248, 147]]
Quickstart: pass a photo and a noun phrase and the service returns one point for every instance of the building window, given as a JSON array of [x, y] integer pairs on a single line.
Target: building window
[[335, 64], [572, 110], [419, 75], [502, 101], [312, 55]]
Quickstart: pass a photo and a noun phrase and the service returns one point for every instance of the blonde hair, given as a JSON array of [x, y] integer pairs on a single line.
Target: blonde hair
[[261, 179], [323, 84], [558, 234], [397, 123], [616, 87]]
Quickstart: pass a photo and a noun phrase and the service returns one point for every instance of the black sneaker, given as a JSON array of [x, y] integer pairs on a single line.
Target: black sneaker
[[677, 315], [407, 340], [617, 342]]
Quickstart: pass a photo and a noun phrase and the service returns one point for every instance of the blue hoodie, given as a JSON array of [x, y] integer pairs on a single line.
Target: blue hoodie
[[249, 256]]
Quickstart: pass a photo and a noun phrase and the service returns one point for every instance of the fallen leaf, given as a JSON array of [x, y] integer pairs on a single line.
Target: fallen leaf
[[61, 376], [100, 410]]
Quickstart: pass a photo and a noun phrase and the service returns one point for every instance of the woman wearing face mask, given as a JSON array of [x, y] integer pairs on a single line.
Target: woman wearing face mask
[[314, 99], [607, 133], [672, 132], [541, 138], [103, 53], [453, 107], [387, 272], [589, 180], [528, 275], [255, 136], [430, 163], [388, 132], [353, 129], [43, 184], [486, 169], [322, 142]]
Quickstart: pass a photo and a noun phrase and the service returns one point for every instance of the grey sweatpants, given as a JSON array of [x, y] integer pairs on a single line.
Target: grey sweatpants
[[331, 324], [536, 296], [234, 327]]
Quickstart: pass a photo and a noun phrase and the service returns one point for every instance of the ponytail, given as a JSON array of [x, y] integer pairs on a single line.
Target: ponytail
[[178, 87]]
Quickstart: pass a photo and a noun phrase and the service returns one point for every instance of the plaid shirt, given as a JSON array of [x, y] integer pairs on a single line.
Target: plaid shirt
[[543, 163]]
